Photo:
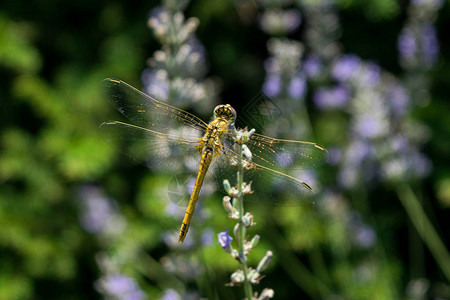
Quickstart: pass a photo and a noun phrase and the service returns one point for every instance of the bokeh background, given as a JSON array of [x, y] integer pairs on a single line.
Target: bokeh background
[[366, 79]]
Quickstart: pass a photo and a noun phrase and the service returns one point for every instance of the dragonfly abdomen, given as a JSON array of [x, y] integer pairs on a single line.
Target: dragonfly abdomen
[[207, 156]]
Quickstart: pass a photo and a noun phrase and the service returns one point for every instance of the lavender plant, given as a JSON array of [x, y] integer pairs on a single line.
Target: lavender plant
[[101, 216], [176, 72], [176, 75], [375, 139], [234, 206]]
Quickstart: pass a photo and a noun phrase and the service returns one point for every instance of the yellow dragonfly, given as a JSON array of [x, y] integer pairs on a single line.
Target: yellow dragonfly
[[169, 139]]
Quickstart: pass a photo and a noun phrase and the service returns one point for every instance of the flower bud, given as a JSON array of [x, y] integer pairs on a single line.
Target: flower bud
[[227, 204], [247, 220], [246, 152], [265, 261], [237, 277], [227, 186], [266, 294], [254, 241]]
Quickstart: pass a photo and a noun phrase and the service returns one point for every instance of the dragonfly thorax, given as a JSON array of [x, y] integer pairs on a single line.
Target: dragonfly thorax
[[225, 111]]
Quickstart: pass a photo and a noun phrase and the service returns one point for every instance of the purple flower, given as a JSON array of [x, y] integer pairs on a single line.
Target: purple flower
[[335, 155], [297, 86], [371, 74], [430, 44], [171, 295], [358, 151], [345, 67], [348, 176], [370, 126], [207, 236], [434, 4], [365, 236], [156, 84], [398, 98], [312, 66], [292, 19], [399, 143], [284, 159], [271, 65], [419, 164], [272, 85], [406, 44], [118, 286], [99, 214], [420, 45], [335, 97], [225, 239]]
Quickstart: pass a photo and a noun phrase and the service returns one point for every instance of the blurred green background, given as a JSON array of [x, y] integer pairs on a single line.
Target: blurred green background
[[368, 239]]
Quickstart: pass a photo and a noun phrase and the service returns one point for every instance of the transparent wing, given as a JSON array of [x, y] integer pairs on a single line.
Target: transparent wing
[[281, 155], [171, 152], [268, 184], [146, 112]]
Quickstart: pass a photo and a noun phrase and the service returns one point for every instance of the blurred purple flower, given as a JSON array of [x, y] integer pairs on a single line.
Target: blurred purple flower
[[171, 294], [187, 267], [420, 45], [346, 67], [308, 176], [358, 151], [297, 86], [406, 44], [420, 164], [121, 287], [99, 214], [365, 236], [370, 75], [398, 98], [335, 155], [271, 65], [336, 97], [207, 236], [174, 210], [272, 85], [224, 239], [399, 143], [430, 44], [156, 84], [292, 19], [370, 126], [284, 159], [312, 66], [435, 4], [348, 176]]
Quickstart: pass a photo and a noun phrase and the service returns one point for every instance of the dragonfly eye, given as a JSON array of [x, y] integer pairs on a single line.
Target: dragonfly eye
[[225, 111]]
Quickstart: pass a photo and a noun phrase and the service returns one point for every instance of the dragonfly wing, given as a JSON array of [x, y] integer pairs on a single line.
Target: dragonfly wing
[[268, 185], [281, 155], [171, 153], [146, 112]]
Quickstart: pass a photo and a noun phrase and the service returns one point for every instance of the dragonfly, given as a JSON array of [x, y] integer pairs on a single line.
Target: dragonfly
[[164, 137]]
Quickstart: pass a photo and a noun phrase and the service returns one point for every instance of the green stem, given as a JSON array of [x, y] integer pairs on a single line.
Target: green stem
[[425, 228], [242, 230]]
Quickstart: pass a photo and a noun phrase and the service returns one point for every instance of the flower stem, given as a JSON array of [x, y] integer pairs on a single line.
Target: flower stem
[[425, 228], [242, 230]]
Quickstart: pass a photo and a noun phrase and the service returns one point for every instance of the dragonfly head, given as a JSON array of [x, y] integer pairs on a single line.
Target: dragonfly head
[[225, 111]]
